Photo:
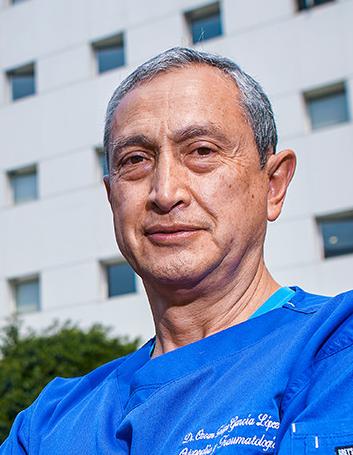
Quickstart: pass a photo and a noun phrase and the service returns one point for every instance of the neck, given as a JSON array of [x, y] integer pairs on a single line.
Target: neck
[[183, 319]]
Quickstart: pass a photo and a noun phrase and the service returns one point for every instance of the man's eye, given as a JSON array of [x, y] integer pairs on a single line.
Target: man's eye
[[134, 159], [204, 151]]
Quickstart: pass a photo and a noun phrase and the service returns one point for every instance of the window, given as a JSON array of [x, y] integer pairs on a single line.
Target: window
[[204, 23], [22, 81], [26, 294], [306, 4], [121, 279], [337, 233], [110, 53], [102, 161], [327, 106], [24, 184]]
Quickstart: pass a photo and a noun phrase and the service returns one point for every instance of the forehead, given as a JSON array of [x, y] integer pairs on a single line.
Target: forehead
[[179, 97]]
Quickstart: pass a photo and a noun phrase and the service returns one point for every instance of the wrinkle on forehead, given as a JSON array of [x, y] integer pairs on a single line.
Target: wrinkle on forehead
[[186, 82], [185, 74], [178, 99]]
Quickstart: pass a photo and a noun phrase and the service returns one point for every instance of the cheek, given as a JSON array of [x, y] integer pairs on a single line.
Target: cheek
[[239, 202], [126, 206], [233, 190]]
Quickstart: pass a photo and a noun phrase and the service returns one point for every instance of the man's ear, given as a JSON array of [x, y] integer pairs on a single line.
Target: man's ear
[[107, 186], [280, 169]]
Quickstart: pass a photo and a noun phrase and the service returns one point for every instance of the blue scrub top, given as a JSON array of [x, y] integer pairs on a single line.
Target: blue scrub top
[[280, 383]]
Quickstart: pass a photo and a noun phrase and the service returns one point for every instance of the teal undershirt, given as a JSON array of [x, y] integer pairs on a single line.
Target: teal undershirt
[[277, 300]]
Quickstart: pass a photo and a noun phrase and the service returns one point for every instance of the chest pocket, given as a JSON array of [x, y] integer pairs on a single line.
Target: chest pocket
[[322, 438]]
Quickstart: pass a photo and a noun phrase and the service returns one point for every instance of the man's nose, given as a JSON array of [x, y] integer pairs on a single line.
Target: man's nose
[[169, 186]]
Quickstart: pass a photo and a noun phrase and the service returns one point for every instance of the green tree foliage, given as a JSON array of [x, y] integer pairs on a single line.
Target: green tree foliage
[[29, 361]]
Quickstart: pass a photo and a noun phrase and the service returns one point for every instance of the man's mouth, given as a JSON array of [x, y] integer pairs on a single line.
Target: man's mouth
[[166, 234]]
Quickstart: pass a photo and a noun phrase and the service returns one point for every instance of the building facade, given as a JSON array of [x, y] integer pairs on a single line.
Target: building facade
[[60, 61]]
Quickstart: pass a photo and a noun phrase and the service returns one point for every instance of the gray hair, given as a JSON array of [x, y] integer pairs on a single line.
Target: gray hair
[[254, 101]]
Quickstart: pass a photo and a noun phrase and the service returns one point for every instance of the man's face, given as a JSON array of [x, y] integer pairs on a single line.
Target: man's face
[[187, 192]]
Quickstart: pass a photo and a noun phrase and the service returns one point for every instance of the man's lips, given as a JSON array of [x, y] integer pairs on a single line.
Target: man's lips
[[170, 233], [170, 229]]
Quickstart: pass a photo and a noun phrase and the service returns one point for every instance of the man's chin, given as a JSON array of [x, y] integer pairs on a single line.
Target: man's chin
[[173, 276]]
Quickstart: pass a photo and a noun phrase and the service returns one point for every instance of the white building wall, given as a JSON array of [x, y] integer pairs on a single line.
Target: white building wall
[[67, 232]]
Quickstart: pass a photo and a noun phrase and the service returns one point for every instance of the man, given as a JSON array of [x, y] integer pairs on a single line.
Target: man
[[239, 364]]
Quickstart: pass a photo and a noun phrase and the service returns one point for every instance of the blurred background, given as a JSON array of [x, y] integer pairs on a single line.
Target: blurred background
[[60, 61]]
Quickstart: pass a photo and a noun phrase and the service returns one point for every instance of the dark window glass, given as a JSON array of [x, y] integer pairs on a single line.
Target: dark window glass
[[327, 108], [110, 53], [102, 161], [337, 234], [22, 82], [205, 23], [306, 4], [24, 185], [27, 295], [121, 279]]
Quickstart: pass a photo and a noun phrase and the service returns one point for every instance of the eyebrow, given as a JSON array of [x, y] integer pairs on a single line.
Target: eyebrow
[[181, 135], [136, 140], [194, 131]]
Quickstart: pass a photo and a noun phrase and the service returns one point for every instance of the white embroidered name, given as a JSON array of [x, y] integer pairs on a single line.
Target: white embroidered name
[[222, 437], [264, 420], [205, 451], [248, 441]]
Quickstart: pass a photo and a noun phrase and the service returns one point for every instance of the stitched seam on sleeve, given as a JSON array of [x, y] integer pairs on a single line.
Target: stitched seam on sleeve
[[299, 391], [347, 346]]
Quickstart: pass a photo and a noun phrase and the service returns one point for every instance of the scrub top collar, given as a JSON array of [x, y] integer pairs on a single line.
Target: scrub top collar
[[139, 374]]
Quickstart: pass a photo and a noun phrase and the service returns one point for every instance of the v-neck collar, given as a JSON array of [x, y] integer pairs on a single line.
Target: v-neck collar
[[139, 371], [276, 300]]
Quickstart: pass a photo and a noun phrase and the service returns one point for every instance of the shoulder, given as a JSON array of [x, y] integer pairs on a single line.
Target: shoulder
[[57, 399], [307, 302], [319, 395], [76, 388], [328, 332], [331, 338], [328, 312], [330, 323]]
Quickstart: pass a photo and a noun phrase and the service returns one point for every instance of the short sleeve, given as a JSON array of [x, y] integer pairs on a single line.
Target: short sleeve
[[17, 442], [33, 422]]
